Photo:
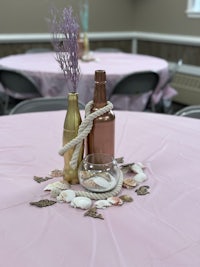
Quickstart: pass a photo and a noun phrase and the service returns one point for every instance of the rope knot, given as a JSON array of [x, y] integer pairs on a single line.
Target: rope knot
[[83, 131]]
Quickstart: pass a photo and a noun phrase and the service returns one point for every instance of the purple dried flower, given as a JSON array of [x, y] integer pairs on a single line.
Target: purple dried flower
[[65, 30]]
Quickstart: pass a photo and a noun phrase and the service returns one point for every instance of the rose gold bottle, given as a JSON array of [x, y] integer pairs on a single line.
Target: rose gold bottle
[[102, 136]]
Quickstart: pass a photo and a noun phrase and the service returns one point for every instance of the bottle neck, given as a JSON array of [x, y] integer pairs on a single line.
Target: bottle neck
[[73, 100], [99, 99]]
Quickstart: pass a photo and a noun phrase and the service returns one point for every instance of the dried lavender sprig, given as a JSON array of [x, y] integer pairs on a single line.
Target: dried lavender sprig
[[65, 31]]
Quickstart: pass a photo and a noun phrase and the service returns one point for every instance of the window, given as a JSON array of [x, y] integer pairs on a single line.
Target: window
[[193, 9]]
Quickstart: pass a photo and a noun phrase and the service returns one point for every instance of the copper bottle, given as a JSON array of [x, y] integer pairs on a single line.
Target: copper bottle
[[70, 131], [102, 136]]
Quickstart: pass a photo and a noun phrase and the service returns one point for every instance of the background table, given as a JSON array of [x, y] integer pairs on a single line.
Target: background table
[[44, 69], [160, 229]]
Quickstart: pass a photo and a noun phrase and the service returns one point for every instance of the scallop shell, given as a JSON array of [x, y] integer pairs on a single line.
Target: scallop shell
[[59, 184], [102, 204], [116, 201], [83, 203], [129, 182], [140, 177], [66, 196]]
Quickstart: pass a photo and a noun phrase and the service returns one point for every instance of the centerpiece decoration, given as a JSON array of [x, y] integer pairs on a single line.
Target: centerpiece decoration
[[99, 174], [65, 31]]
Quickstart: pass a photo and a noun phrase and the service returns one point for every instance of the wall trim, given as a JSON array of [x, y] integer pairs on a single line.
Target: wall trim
[[131, 35]]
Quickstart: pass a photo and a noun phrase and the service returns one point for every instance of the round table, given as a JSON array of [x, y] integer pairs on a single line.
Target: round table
[[157, 229], [45, 70]]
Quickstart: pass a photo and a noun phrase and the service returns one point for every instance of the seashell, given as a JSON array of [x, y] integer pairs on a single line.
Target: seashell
[[106, 176], [96, 182], [142, 190], [85, 174], [43, 203], [56, 173], [136, 168], [55, 192], [140, 177], [116, 201], [126, 198], [140, 164], [83, 203], [92, 212], [59, 184], [66, 196], [129, 182], [102, 204]]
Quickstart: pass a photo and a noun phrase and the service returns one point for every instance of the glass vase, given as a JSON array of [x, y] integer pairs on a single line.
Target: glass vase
[[98, 172], [70, 131]]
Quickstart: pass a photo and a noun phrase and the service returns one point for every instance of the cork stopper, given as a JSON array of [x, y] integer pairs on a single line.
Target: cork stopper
[[100, 76]]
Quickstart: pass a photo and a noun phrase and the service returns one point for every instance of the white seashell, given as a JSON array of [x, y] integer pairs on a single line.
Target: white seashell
[[81, 202], [116, 201], [140, 177], [102, 204], [66, 196], [100, 181], [140, 164], [55, 192], [59, 184], [136, 168], [99, 184]]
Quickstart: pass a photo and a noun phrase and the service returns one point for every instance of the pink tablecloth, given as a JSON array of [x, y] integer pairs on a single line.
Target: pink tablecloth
[[44, 69], [160, 229]]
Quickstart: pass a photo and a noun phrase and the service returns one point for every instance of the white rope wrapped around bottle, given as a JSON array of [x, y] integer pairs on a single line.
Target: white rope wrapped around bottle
[[84, 130]]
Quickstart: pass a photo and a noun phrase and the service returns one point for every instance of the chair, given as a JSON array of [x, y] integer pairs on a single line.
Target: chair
[[138, 83], [190, 111], [164, 106], [17, 85], [42, 104], [2, 101]]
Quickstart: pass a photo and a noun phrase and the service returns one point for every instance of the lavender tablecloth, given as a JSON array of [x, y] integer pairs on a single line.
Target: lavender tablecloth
[[160, 229], [44, 69]]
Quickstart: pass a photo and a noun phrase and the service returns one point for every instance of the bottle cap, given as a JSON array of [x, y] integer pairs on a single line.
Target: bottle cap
[[100, 76]]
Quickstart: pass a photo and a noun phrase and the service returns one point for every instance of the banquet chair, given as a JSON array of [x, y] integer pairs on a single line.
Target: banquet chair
[[17, 85], [41, 104], [192, 111], [138, 83], [164, 106], [2, 101]]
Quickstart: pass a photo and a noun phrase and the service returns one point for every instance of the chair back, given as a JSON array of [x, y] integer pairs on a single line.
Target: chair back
[[42, 104], [137, 83], [18, 85], [190, 111]]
